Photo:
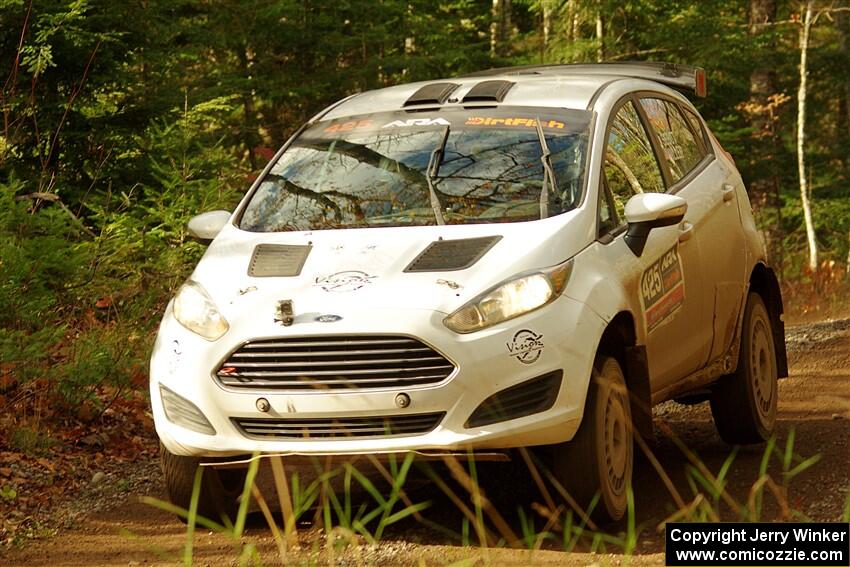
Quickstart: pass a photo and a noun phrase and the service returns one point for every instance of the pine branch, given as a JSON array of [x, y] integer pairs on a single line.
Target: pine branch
[[54, 198]]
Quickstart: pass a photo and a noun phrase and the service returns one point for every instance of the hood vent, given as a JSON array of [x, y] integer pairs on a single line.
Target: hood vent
[[451, 255], [278, 260], [435, 93], [488, 91]]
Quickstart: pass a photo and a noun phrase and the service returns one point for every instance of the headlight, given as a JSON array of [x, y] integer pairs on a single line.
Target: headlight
[[510, 299], [195, 310]]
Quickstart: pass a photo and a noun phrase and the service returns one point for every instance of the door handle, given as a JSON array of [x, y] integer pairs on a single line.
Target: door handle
[[728, 192], [686, 231]]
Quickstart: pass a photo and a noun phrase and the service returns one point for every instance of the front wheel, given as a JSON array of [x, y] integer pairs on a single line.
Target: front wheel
[[599, 459], [219, 491], [744, 403]]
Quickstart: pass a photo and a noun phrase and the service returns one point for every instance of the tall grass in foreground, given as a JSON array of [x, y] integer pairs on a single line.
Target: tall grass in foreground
[[352, 513]]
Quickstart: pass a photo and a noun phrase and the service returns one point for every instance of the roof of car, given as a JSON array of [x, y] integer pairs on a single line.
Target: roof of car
[[562, 86]]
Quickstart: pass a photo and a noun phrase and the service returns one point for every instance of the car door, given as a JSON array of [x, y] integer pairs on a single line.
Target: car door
[[711, 193], [667, 276]]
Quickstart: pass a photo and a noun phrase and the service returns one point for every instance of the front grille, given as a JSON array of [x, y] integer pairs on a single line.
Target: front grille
[[331, 363], [527, 398], [323, 428]]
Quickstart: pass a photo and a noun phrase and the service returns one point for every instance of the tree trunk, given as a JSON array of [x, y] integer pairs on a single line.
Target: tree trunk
[[600, 35], [249, 118], [763, 78], [494, 27], [572, 21], [500, 27], [410, 40], [764, 184], [547, 25], [842, 26], [801, 138]]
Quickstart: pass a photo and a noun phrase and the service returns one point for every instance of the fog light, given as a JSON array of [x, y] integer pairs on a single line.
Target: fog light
[[184, 413]]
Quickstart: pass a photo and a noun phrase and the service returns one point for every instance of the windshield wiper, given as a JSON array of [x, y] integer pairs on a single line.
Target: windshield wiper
[[548, 172], [431, 174]]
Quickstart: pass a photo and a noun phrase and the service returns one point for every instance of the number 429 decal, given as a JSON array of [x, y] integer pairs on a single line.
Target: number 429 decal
[[662, 289]]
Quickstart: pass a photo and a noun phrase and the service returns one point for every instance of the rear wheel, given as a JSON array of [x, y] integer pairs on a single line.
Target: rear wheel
[[220, 488], [744, 403], [599, 459]]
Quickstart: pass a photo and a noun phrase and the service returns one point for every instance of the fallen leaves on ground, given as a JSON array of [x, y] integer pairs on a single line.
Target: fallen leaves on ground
[[47, 461]]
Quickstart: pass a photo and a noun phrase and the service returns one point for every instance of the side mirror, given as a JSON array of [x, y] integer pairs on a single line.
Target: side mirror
[[646, 211], [206, 226]]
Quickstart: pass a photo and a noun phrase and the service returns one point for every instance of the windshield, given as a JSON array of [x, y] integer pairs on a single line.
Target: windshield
[[373, 170]]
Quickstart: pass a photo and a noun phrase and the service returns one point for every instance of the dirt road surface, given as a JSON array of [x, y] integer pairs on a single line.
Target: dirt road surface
[[814, 404]]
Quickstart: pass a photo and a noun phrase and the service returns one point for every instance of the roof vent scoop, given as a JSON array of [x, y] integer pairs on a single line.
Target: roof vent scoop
[[434, 93], [488, 91]]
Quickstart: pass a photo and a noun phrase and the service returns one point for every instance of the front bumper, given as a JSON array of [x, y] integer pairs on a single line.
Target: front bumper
[[186, 364]]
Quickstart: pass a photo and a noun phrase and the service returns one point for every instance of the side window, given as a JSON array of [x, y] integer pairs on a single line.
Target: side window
[[681, 148], [630, 164], [696, 126], [607, 221]]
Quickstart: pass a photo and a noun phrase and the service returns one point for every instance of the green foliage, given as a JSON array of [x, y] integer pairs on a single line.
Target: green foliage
[[8, 493], [39, 265], [79, 311], [187, 171], [45, 331], [358, 511], [28, 441], [136, 116]]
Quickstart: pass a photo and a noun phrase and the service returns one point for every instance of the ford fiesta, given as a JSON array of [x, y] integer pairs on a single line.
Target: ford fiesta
[[521, 257]]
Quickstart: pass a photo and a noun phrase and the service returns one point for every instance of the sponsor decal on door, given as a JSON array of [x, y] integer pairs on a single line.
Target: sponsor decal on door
[[662, 289]]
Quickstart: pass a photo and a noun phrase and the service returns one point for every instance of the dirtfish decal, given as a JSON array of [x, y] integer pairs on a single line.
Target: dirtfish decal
[[522, 122]]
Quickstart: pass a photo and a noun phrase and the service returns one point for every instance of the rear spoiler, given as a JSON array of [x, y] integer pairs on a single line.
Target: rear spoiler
[[674, 75]]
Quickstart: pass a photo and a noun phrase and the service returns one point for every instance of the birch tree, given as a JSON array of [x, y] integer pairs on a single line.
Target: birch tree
[[842, 26], [500, 27], [805, 191], [600, 33]]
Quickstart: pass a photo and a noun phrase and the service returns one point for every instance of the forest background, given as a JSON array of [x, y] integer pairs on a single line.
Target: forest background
[[122, 120]]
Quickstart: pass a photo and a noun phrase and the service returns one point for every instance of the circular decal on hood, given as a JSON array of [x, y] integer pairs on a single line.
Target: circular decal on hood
[[350, 280]]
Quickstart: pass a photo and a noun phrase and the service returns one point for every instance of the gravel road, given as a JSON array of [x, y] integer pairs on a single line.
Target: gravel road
[[814, 405]]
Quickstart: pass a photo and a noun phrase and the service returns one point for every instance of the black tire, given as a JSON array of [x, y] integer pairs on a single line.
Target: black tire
[[220, 488], [744, 403], [600, 458]]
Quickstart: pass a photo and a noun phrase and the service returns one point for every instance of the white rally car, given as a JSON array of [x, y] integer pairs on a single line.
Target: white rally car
[[521, 257]]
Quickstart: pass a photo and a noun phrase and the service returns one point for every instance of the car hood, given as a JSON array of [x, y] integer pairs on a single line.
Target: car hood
[[374, 268]]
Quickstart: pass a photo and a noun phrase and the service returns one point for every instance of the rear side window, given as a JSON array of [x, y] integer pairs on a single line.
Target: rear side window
[[630, 163], [696, 126], [680, 147]]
